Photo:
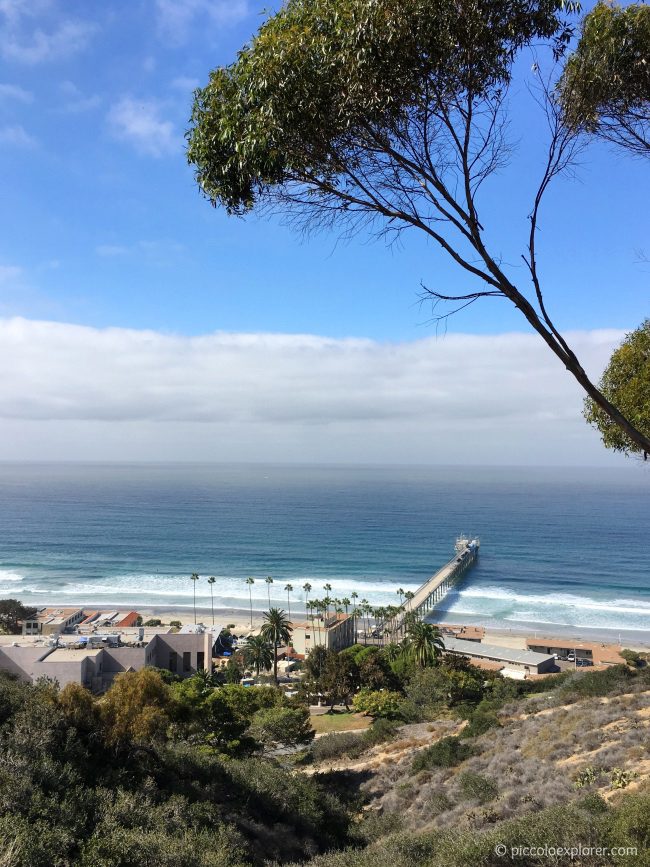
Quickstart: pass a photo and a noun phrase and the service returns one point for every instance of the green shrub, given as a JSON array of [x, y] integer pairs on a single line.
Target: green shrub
[[480, 721], [621, 779], [629, 825], [378, 703], [477, 787], [609, 681], [336, 746], [380, 731], [587, 777], [445, 753], [633, 659], [154, 621]]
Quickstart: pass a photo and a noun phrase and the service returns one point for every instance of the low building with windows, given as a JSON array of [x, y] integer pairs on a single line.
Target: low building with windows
[[95, 667], [512, 662], [53, 621], [585, 652], [335, 632], [467, 633]]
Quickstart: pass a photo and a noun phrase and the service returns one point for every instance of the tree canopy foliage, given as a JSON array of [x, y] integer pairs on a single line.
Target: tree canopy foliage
[[605, 87], [626, 382], [392, 114], [90, 781], [11, 612], [323, 80]]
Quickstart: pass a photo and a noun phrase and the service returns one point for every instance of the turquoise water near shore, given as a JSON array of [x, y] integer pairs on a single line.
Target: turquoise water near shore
[[559, 548]]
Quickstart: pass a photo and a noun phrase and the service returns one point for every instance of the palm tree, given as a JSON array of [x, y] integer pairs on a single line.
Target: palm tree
[[362, 608], [277, 630], [194, 578], [314, 604], [211, 581], [346, 603], [366, 608], [400, 593], [269, 581], [250, 582], [423, 642], [327, 588], [307, 588], [289, 589], [355, 612], [258, 653]]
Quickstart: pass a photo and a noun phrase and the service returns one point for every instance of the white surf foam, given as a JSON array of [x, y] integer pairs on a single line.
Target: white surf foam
[[9, 575]]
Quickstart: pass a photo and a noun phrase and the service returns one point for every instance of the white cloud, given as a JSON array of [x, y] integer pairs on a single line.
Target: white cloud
[[9, 273], [482, 399], [157, 250], [110, 250], [16, 135], [12, 91], [176, 17], [76, 102], [31, 46], [185, 83], [139, 123]]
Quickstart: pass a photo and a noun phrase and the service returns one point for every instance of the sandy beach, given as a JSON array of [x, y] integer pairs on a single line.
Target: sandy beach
[[240, 622]]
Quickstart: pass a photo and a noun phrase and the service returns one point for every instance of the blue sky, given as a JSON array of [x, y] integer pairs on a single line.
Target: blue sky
[[101, 224]]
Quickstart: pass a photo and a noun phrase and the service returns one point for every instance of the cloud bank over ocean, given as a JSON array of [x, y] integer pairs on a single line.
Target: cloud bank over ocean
[[71, 391]]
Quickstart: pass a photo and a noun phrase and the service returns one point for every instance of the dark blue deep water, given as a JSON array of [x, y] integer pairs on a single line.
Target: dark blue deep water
[[559, 548]]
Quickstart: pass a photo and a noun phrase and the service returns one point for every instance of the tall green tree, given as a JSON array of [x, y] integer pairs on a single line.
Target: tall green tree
[[211, 582], [289, 589], [423, 643], [626, 381], [194, 578], [258, 653], [339, 679], [605, 86], [391, 114], [250, 582], [328, 589], [268, 580], [12, 612], [307, 588], [277, 630]]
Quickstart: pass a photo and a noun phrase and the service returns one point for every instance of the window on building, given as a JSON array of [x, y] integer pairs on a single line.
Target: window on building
[[200, 660], [172, 661], [307, 637], [187, 661]]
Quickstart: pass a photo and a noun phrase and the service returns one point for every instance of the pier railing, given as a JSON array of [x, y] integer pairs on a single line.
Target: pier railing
[[436, 588]]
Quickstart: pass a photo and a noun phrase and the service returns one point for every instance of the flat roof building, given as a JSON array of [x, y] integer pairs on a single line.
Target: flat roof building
[[523, 661], [593, 652], [53, 621], [96, 667], [467, 633], [334, 633]]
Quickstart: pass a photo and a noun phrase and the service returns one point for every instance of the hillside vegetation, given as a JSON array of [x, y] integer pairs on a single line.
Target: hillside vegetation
[[163, 772]]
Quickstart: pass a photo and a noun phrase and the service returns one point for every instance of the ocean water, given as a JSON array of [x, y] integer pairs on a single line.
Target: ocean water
[[560, 549]]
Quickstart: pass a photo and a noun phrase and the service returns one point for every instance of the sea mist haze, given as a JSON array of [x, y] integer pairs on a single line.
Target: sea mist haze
[[559, 548]]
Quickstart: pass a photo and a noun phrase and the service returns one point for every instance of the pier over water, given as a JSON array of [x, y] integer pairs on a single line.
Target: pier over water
[[437, 587]]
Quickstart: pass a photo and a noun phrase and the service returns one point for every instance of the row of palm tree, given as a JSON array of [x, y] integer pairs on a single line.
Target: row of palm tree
[[194, 577], [339, 606], [307, 587]]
